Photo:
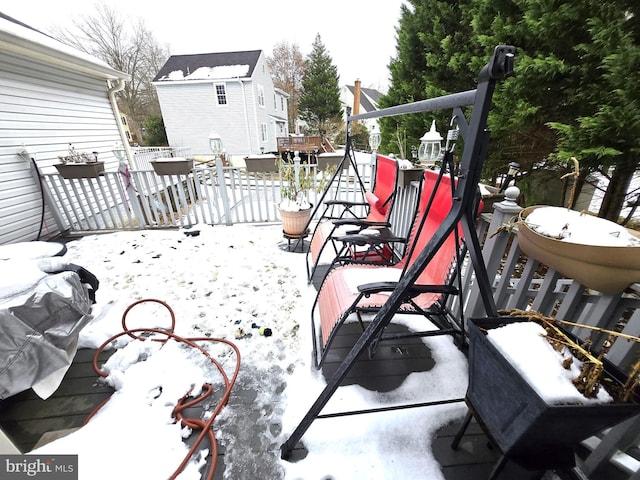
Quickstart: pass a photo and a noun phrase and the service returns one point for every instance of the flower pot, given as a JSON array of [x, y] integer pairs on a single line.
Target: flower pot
[[608, 269], [295, 223], [520, 422], [172, 166], [80, 170]]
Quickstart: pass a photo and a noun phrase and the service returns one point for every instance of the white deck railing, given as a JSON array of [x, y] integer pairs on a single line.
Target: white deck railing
[[228, 195]]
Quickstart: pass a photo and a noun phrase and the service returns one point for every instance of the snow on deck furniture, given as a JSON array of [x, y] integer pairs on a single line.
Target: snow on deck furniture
[[43, 306], [340, 214], [357, 288]]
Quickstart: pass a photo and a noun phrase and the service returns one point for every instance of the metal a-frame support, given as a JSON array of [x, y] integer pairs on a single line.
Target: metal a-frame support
[[337, 177], [476, 144]]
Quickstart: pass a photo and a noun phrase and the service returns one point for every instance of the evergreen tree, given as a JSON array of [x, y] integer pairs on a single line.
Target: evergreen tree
[[575, 69], [573, 92], [319, 104], [433, 57]]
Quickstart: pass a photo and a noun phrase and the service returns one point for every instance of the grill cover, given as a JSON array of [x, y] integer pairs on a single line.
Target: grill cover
[[43, 306]]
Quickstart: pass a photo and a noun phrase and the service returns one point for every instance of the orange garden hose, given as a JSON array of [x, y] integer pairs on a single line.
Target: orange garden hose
[[205, 428]]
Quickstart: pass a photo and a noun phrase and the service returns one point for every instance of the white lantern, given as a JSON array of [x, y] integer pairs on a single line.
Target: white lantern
[[374, 139], [430, 145], [215, 144]]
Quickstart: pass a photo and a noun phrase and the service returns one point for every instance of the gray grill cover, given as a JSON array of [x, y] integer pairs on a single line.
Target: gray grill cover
[[39, 328]]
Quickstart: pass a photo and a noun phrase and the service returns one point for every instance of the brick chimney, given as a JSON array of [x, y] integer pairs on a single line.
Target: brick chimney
[[356, 97]]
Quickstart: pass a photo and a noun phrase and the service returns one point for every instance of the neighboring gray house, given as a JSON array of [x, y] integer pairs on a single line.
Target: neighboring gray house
[[51, 95], [229, 93], [368, 102]]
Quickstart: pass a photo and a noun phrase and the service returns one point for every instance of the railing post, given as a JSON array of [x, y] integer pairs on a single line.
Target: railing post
[[495, 244], [222, 187]]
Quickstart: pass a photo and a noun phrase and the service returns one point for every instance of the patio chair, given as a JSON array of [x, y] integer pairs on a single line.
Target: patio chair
[[357, 288], [341, 216]]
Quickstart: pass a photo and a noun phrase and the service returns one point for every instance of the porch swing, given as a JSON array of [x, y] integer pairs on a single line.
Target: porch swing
[[461, 214]]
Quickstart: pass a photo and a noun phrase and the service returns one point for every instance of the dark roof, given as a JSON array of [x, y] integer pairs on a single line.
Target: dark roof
[[370, 95], [190, 63], [18, 22]]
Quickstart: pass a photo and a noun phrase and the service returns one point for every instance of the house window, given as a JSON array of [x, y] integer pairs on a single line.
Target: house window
[[282, 103], [221, 94], [261, 95], [263, 127], [275, 102]]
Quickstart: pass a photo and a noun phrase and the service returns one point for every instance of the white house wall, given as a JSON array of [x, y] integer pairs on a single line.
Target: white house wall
[[190, 112], [43, 109]]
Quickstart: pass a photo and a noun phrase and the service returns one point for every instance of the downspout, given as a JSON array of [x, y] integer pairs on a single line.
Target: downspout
[[113, 89], [246, 113]]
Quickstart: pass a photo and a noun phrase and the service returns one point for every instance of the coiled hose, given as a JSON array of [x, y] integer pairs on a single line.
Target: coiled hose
[[205, 428]]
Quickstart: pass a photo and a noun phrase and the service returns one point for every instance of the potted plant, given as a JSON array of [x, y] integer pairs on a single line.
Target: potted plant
[[172, 166], [595, 252], [79, 164], [520, 417], [296, 181]]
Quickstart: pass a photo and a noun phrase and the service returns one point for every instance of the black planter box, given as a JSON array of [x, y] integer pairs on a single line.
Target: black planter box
[[172, 167], [261, 163], [80, 170], [520, 422]]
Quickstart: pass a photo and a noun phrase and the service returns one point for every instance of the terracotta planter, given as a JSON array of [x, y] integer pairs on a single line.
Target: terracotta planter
[[80, 170], [294, 223], [608, 269], [512, 412], [168, 166]]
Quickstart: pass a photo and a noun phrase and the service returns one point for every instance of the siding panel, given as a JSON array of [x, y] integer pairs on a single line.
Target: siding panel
[[44, 108]]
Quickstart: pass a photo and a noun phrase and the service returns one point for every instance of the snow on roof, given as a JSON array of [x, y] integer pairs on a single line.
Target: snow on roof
[[206, 73], [204, 66]]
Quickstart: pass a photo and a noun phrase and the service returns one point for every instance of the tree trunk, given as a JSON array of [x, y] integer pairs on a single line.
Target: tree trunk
[[614, 197]]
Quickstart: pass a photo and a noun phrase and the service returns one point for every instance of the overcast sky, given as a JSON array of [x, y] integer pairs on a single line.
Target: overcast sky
[[358, 34]]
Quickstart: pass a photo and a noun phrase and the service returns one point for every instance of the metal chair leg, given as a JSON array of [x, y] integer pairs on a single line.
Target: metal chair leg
[[463, 428]]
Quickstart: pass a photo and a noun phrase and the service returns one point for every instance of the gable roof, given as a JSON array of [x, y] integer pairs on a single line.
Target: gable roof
[[205, 66]]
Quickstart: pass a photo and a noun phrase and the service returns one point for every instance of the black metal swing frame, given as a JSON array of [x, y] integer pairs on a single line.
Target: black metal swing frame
[[476, 144]]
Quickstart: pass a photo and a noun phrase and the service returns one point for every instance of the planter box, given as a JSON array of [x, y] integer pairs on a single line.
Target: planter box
[[515, 416], [168, 166], [80, 170], [408, 175], [491, 198], [331, 160], [261, 163]]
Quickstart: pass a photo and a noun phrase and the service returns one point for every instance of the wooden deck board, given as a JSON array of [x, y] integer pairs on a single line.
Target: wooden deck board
[[25, 417]]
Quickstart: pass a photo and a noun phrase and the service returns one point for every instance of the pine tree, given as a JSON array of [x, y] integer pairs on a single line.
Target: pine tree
[[320, 99]]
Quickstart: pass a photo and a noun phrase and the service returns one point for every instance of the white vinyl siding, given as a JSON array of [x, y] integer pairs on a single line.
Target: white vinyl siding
[[45, 108]]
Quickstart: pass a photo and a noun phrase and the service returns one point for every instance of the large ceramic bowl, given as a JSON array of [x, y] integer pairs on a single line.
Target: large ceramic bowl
[[608, 269]]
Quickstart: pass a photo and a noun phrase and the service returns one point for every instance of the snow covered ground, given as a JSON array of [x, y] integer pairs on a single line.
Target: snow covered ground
[[219, 281]]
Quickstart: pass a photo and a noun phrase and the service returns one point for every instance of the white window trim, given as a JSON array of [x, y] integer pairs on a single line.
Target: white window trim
[[226, 95]]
